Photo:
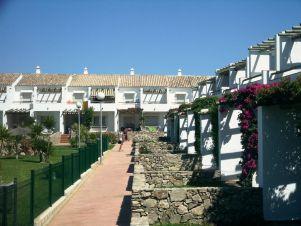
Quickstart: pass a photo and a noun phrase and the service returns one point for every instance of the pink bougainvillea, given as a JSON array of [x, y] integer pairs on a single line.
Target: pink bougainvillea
[[245, 100]]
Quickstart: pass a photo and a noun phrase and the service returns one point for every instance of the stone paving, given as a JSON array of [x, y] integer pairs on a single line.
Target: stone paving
[[105, 197]]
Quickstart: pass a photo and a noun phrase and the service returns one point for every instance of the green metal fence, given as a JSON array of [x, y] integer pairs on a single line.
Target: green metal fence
[[22, 202]]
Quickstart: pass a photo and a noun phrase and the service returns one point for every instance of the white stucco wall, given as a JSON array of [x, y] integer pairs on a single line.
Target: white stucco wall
[[280, 165], [258, 61], [290, 52], [229, 145], [206, 141], [172, 95], [235, 76], [122, 91]]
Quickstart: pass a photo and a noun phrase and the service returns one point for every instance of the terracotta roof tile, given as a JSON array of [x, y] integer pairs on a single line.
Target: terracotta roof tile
[[94, 80], [43, 80], [136, 80], [8, 79]]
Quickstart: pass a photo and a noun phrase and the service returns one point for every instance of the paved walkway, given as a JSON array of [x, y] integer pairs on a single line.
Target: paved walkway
[[104, 199]]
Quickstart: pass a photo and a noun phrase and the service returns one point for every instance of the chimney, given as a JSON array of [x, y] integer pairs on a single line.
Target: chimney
[[86, 71], [132, 71], [38, 70], [179, 72]]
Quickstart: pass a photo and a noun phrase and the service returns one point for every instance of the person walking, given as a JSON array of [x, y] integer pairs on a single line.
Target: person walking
[[121, 137]]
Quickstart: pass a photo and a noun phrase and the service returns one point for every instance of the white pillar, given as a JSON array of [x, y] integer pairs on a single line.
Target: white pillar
[[206, 140], [141, 98], [183, 131], [61, 122], [4, 119], [116, 121], [191, 133], [278, 53], [165, 125]]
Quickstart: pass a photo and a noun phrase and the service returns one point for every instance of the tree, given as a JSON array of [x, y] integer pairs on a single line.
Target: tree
[[4, 136], [40, 142], [88, 117]]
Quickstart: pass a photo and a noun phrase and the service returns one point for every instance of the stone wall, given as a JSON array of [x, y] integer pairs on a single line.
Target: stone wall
[[168, 161], [219, 205], [159, 179]]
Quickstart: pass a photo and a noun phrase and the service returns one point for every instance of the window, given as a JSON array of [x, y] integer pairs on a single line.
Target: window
[[78, 96], [180, 98], [129, 97], [26, 97], [95, 121]]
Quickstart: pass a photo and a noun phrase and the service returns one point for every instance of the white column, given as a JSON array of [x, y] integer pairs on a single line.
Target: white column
[[165, 125], [167, 96], [229, 144], [4, 119], [191, 133], [206, 140], [141, 98], [61, 122], [116, 121], [183, 131], [278, 53]]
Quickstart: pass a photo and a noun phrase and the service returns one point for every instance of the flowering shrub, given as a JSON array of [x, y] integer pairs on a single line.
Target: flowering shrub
[[245, 100]]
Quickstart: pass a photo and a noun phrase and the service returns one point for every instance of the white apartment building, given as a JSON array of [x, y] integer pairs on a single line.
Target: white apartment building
[[266, 62], [128, 98]]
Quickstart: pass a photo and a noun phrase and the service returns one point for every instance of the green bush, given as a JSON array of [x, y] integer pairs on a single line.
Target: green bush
[[113, 138]]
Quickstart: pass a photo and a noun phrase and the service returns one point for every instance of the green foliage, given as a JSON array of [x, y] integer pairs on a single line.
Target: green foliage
[[285, 92], [49, 122], [43, 147], [184, 107], [88, 117], [84, 135], [113, 138], [28, 121], [151, 129], [203, 103], [36, 130], [4, 135]]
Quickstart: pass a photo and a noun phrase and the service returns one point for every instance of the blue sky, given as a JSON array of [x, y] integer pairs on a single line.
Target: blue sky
[[153, 36]]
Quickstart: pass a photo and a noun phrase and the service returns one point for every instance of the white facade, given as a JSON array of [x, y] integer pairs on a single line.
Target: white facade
[[59, 100]]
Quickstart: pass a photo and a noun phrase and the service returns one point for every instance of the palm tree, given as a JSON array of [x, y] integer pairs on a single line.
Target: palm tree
[[4, 136], [39, 143]]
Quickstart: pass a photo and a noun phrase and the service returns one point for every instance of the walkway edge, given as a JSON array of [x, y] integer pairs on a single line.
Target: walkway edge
[[45, 217]]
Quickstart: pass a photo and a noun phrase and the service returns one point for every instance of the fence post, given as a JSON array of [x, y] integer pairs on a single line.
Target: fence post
[[32, 182], [63, 175], [50, 185], [15, 201], [72, 168], [4, 220]]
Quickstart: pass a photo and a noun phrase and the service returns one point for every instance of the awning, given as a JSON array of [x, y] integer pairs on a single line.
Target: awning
[[49, 90], [131, 110], [18, 110], [109, 92], [154, 91]]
